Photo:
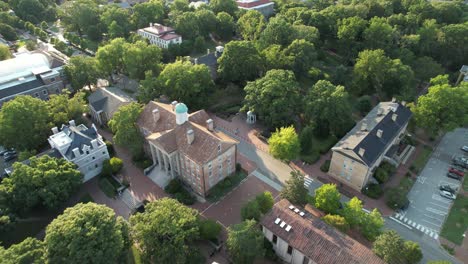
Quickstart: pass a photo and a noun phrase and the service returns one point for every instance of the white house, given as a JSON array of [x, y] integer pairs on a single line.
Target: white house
[[81, 145], [160, 35], [266, 7]]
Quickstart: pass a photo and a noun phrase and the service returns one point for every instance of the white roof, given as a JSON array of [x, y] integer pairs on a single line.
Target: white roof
[[22, 66]]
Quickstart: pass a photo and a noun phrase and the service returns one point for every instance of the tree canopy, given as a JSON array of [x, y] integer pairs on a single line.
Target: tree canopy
[[284, 144], [245, 242], [4, 52], [393, 249], [239, 62], [294, 190], [62, 108], [251, 24], [82, 71], [327, 198], [123, 125], [29, 250]]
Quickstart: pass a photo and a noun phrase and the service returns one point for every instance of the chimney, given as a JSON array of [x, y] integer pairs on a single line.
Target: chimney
[[393, 100], [379, 133], [173, 105], [190, 136], [155, 115], [207, 51], [94, 143], [72, 123], [403, 103], [361, 152], [394, 117], [364, 126], [151, 24], [209, 124], [76, 152], [55, 130], [379, 111]]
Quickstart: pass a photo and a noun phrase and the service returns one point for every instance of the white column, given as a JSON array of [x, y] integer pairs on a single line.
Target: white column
[[159, 157], [172, 167], [165, 163]]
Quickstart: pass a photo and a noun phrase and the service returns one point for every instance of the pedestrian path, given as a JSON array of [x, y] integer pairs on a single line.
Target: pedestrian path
[[307, 181], [131, 201], [428, 231]]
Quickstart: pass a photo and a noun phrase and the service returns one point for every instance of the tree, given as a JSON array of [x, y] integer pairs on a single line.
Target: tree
[[62, 108], [379, 34], [251, 24], [33, 129], [228, 6], [146, 13], [251, 210], [46, 181], [224, 25], [34, 11], [265, 201], [186, 24], [239, 62], [350, 33], [123, 125], [274, 98], [206, 21], [116, 164], [390, 247], [8, 32], [82, 16], [327, 198], [301, 55], [209, 229], [337, 221], [448, 12], [245, 242], [82, 71], [110, 57], [426, 68], [413, 252], [284, 144], [372, 225], [150, 88], [443, 108], [307, 33], [186, 82], [294, 190], [353, 213], [165, 231], [328, 105], [4, 52], [86, 233], [140, 57], [305, 138], [29, 250], [452, 41], [278, 31], [117, 21], [275, 58]]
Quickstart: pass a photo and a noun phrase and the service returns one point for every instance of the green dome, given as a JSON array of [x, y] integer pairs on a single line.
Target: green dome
[[181, 108]]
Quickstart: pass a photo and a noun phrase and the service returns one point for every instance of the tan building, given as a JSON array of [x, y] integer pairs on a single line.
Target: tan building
[[298, 236], [187, 145], [356, 156]]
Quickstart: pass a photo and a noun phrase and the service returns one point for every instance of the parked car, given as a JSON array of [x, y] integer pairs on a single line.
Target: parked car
[[464, 148], [9, 157], [447, 195], [461, 160], [447, 188], [457, 171], [3, 152], [459, 163], [454, 176], [9, 153]]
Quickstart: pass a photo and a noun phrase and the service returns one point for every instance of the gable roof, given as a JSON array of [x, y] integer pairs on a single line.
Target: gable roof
[[315, 239], [172, 137], [108, 100], [364, 134]]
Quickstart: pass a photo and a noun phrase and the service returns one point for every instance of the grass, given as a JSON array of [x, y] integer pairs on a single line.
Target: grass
[[134, 256], [107, 188], [457, 221], [421, 160], [22, 230], [225, 186], [465, 184]]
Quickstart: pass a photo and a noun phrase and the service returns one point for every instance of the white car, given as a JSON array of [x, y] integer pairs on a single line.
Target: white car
[[464, 148], [447, 195]]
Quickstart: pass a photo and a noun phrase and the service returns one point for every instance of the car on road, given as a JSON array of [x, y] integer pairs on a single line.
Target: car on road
[[464, 148], [447, 195], [9, 152], [447, 188], [454, 176], [457, 171]]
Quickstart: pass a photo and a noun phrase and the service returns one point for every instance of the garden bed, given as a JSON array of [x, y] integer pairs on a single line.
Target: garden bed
[[107, 187], [225, 186]]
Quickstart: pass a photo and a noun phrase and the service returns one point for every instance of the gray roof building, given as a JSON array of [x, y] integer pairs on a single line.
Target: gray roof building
[[104, 102]]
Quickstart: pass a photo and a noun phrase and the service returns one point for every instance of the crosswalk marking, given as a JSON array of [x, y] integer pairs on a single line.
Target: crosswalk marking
[[430, 232], [307, 181]]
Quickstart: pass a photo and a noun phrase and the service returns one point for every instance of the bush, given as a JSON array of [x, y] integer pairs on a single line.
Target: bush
[[364, 104], [209, 229], [24, 155], [381, 175], [173, 187], [107, 187], [251, 211], [106, 168], [110, 148], [265, 201], [305, 137], [373, 191], [310, 158], [116, 164], [238, 167], [269, 251], [337, 221], [185, 197], [325, 166], [396, 198], [408, 174]]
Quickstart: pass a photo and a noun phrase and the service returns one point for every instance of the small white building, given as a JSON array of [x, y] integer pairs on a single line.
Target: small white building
[[81, 145], [160, 35]]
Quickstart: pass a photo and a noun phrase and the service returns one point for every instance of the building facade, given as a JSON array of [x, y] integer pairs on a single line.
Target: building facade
[[104, 102], [266, 7], [81, 145], [186, 146], [356, 156], [160, 35], [38, 74], [298, 236]]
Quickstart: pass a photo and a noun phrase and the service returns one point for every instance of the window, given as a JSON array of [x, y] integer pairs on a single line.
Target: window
[[290, 250], [219, 148], [36, 94], [87, 152], [275, 239], [44, 92], [95, 165], [103, 152], [94, 158]]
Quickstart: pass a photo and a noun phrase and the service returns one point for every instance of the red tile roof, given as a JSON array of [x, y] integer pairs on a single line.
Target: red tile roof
[[315, 239]]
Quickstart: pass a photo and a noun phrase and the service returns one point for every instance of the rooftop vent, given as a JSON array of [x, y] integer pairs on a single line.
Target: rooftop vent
[[296, 211], [282, 224], [302, 214], [379, 133], [361, 152], [380, 112], [288, 228], [278, 220], [394, 117], [393, 100], [364, 126]]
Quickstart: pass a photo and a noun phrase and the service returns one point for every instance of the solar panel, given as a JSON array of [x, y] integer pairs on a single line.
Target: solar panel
[[277, 221], [288, 228], [283, 224]]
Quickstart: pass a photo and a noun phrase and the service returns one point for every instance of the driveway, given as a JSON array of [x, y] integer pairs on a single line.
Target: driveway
[[428, 210]]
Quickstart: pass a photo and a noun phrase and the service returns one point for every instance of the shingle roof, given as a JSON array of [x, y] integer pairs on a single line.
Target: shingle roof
[[315, 239], [171, 137], [108, 100], [380, 118], [80, 136]]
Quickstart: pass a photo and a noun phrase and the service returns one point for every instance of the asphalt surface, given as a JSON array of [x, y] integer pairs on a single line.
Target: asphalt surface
[[428, 210]]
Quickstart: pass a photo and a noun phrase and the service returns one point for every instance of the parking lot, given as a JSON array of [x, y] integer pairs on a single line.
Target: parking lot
[[428, 210]]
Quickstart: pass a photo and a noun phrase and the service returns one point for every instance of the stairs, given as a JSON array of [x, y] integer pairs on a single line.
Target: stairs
[[131, 201]]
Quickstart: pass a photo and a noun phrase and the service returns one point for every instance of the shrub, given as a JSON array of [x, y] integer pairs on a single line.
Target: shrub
[[373, 191], [381, 175], [396, 198], [305, 137], [325, 166], [251, 211], [364, 104], [185, 197], [116, 164], [310, 158], [107, 187], [265, 201], [408, 174], [238, 167], [24, 155], [209, 229], [337, 221], [269, 251], [173, 187], [106, 168], [110, 148]]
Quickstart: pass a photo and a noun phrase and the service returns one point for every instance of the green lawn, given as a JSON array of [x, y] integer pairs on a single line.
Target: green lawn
[[457, 221], [22, 230], [225, 186], [465, 184], [421, 160]]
